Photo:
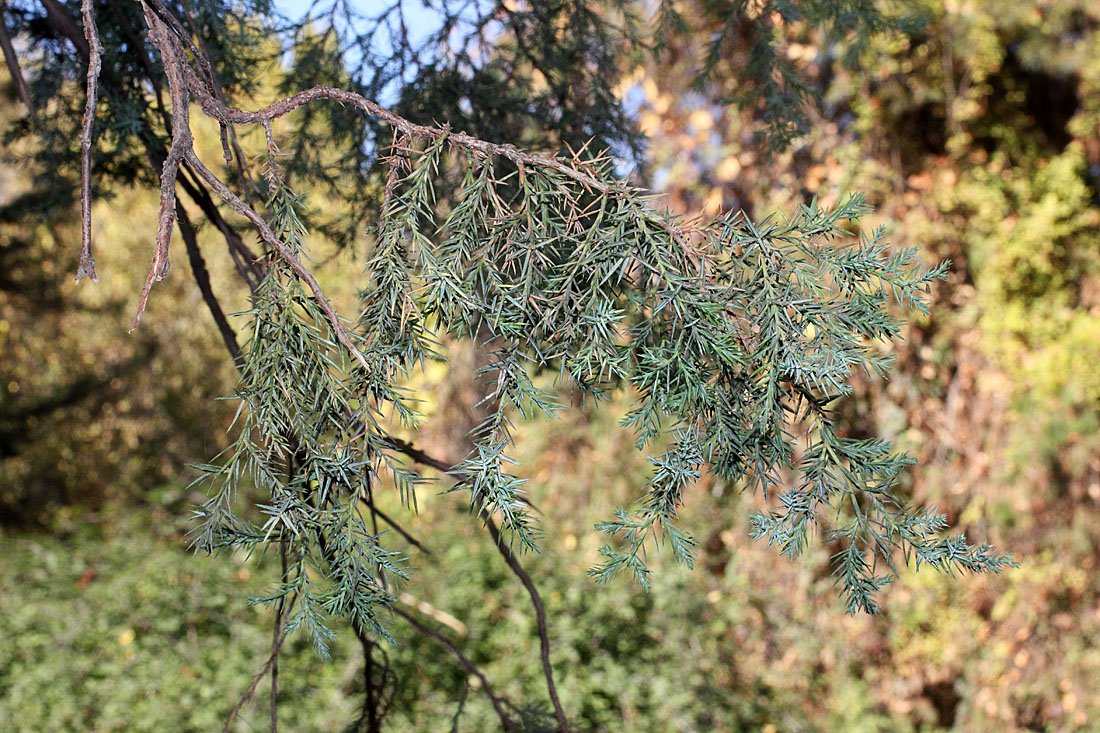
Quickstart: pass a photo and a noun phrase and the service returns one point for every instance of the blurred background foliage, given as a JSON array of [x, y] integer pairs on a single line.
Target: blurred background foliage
[[975, 133]]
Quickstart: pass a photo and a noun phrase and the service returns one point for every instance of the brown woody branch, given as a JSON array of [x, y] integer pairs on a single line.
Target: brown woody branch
[[12, 60], [244, 259], [273, 241], [464, 661], [95, 65], [575, 169], [172, 56], [517, 569], [271, 661], [228, 132], [177, 69]]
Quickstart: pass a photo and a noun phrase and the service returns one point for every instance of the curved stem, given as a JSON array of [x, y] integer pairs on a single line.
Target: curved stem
[[517, 569], [464, 661], [540, 617]]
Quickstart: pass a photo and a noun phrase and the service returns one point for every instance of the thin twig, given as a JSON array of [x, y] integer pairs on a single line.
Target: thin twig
[[95, 65], [423, 458], [418, 455], [216, 87], [12, 60], [369, 715], [275, 641], [399, 529], [540, 617], [263, 673], [202, 279], [285, 106], [464, 661], [576, 169], [516, 568], [244, 259], [172, 55]]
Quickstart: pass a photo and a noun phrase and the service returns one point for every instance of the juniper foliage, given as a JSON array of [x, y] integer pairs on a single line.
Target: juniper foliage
[[748, 42], [733, 337]]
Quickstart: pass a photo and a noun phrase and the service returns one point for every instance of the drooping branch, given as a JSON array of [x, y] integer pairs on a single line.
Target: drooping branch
[[464, 661], [517, 569], [176, 69], [273, 241], [172, 56], [206, 93], [95, 64], [202, 279], [169, 36], [575, 168], [13, 65]]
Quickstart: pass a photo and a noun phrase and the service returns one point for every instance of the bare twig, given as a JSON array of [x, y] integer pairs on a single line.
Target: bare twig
[[400, 530], [244, 259], [271, 661], [576, 169], [517, 569], [540, 617], [202, 279], [275, 633], [423, 458], [13, 63], [434, 613], [464, 661], [573, 169], [368, 721], [172, 55], [418, 455], [95, 65], [230, 130]]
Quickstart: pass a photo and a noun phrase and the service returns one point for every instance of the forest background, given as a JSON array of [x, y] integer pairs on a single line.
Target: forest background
[[976, 136]]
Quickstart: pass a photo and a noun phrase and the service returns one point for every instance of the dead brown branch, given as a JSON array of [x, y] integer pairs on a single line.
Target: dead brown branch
[[95, 65], [172, 55]]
